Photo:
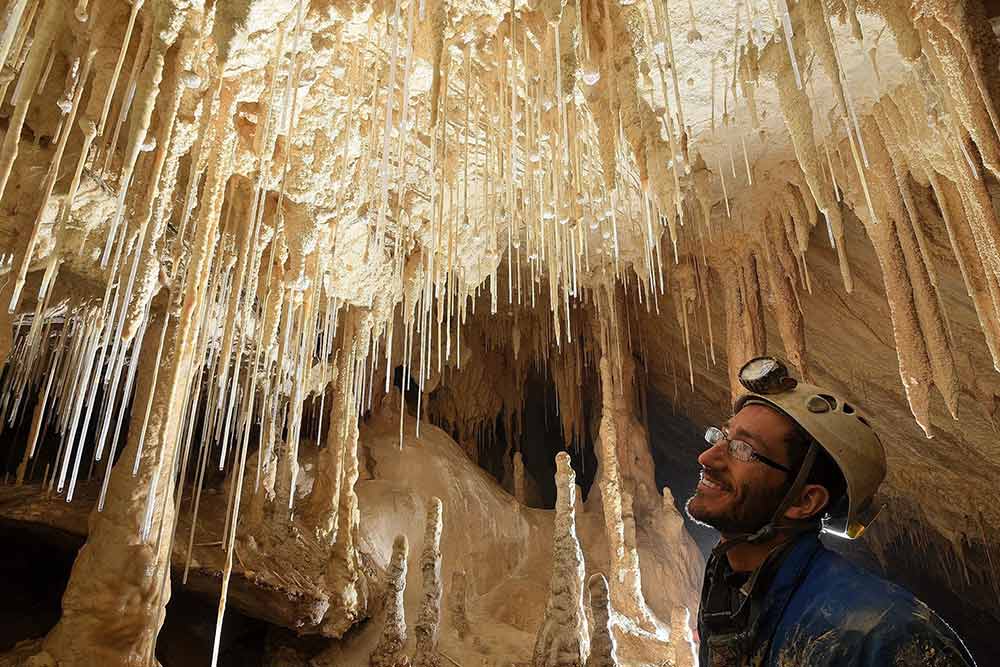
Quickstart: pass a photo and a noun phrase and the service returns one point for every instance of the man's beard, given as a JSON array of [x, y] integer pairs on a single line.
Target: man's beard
[[749, 510]]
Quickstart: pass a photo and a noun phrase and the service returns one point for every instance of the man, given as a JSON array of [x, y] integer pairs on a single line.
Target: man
[[791, 456]]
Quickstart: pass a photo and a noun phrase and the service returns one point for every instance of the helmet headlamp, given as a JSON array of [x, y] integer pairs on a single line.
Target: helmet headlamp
[[766, 375]]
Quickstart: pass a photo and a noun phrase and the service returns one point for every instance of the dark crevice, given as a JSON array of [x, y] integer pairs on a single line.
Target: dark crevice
[[675, 443], [542, 439], [34, 570]]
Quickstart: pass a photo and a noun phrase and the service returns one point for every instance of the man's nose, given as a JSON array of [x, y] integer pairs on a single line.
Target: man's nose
[[713, 456]]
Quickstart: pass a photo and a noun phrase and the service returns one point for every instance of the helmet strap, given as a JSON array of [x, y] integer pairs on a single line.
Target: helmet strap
[[778, 524]]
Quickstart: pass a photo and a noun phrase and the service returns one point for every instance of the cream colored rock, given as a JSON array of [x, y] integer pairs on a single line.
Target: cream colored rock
[[484, 196], [602, 640], [389, 650], [563, 639]]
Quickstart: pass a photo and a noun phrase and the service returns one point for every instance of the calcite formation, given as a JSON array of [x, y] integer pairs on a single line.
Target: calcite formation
[[602, 641], [389, 652], [563, 638], [240, 238], [428, 623]]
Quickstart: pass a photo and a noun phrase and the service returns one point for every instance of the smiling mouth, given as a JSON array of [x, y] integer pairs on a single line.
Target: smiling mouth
[[709, 483]]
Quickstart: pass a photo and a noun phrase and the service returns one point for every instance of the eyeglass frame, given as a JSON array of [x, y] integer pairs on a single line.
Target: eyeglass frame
[[753, 456]]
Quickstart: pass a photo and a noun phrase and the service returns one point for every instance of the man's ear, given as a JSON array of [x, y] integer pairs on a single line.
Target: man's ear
[[812, 500]]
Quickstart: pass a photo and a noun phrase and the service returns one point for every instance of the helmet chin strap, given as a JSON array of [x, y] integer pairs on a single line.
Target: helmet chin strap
[[777, 524]]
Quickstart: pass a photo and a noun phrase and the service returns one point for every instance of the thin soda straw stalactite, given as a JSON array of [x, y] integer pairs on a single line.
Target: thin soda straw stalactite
[[387, 130], [112, 84]]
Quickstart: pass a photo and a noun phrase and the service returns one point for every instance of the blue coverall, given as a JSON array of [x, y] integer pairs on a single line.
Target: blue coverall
[[819, 610]]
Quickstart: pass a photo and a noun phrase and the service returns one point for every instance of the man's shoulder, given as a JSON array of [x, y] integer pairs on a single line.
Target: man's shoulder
[[863, 614], [835, 580]]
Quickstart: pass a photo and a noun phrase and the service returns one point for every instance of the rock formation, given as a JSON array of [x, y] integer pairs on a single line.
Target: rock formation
[[389, 652], [602, 640], [428, 623], [458, 599], [563, 639]]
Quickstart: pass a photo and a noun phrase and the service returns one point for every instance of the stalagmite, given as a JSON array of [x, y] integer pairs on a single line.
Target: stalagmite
[[519, 492], [428, 622], [562, 638], [389, 650], [685, 654], [457, 601], [602, 640]]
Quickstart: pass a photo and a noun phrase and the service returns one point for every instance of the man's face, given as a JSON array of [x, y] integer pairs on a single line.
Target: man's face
[[736, 497]]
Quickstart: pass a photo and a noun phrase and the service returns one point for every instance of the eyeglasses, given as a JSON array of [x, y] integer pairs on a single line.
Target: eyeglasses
[[740, 450]]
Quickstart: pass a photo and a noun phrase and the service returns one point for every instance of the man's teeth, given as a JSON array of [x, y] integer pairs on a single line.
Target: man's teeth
[[710, 484]]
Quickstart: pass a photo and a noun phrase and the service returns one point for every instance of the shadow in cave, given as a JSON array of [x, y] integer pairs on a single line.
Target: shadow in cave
[[542, 439], [675, 443], [539, 439], [35, 567]]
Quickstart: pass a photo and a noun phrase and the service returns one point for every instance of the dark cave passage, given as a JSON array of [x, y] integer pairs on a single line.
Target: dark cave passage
[[542, 439], [34, 570]]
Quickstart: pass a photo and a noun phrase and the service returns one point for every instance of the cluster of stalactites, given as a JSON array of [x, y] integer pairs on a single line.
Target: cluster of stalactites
[[913, 162]]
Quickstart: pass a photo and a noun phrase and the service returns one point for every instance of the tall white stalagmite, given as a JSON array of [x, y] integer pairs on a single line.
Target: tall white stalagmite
[[563, 639], [429, 620], [602, 642], [389, 650]]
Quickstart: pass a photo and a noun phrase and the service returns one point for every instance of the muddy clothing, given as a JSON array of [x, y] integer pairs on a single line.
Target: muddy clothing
[[809, 607]]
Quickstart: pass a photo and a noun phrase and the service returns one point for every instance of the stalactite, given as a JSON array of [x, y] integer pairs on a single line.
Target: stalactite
[[956, 36], [930, 313], [781, 279], [139, 578], [797, 112], [745, 335], [49, 24], [914, 363]]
